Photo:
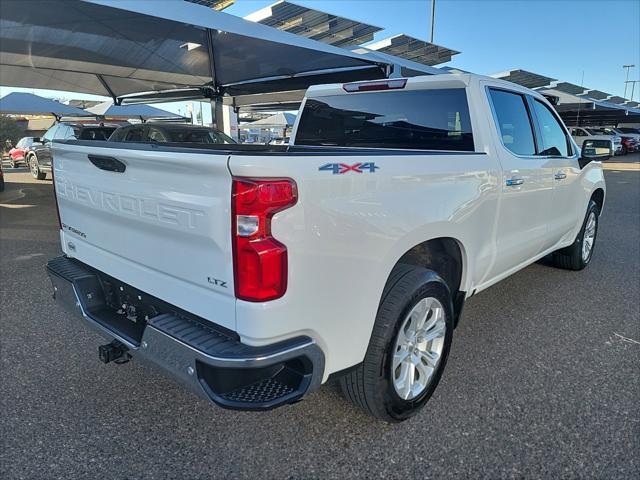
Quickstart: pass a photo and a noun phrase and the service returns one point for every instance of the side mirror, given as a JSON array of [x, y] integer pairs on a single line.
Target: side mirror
[[598, 150]]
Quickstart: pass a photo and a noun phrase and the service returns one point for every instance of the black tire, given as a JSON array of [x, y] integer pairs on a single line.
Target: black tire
[[370, 384], [571, 258], [12, 163], [35, 169], [624, 150]]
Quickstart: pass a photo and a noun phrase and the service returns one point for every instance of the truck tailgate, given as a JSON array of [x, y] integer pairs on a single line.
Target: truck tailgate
[[161, 225]]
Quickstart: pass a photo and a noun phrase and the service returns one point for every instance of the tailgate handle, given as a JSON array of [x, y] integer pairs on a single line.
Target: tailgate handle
[[109, 164]]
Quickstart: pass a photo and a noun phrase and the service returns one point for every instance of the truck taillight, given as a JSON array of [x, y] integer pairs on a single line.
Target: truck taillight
[[259, 260]]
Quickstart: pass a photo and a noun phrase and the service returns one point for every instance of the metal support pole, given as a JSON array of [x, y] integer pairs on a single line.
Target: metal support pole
[[108, 89], [217, 115], [628, 67], [433, 19]]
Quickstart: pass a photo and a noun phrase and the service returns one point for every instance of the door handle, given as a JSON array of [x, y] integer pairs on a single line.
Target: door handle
[[560, 176], [109, 164], [514, 181]]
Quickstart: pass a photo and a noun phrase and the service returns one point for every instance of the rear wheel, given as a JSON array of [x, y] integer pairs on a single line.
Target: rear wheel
[[35, 169], [12, 163], [408, 349], [578, 255]]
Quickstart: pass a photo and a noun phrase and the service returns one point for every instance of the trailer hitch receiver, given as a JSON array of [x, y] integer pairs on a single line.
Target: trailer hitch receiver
[[114, 352]]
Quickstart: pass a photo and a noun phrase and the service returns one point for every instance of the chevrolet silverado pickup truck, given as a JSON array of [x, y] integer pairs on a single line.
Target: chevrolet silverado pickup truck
[[254, 274]]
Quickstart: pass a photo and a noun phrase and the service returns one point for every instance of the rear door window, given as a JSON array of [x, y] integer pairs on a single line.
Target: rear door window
[[156, 135], [135, 135], [553, 138], [409, 119], [95, 133], [514, 123]]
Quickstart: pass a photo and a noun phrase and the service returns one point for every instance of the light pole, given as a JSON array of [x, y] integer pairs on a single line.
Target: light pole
[[633, 86], [433, 18], [628, 67]]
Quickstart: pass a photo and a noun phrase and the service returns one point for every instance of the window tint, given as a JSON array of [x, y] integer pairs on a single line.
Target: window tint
[[156, 135], [513, 122], [554, 140], [134, 135], [197, 135], [412, 119], [94, 133], [118, 134]]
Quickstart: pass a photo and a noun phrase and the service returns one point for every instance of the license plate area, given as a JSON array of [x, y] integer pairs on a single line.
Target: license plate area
[[116, 306]]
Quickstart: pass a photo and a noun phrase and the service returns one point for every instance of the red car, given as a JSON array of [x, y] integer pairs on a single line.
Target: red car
[[18, 154], [630, 145]]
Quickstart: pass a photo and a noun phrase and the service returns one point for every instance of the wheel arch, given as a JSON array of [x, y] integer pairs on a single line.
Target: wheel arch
[[598, 197], [447, 257]]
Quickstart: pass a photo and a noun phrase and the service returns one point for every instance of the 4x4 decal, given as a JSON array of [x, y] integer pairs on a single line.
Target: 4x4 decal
[[341, 168]]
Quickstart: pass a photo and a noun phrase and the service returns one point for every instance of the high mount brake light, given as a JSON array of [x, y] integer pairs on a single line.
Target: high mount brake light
[[396, 84], [259, 260]]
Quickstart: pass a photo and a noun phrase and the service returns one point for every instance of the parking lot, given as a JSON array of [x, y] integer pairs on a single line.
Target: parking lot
[[543, 380]]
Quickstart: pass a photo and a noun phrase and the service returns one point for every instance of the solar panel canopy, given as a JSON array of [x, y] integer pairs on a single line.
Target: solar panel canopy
[[215, 4], [414, 49], [524, 78], [617, 100], [314, 24], [596, 94], [569, 88]]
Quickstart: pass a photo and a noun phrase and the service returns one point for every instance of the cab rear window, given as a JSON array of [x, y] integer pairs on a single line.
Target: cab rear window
[[409, 119]]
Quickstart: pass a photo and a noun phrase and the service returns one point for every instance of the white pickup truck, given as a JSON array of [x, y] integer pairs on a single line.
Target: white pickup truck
[[256, 273]]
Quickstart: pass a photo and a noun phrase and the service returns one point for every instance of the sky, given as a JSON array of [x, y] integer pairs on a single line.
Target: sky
[[564, 39]]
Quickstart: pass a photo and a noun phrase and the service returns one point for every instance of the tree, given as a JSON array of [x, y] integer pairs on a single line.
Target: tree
[[9, 130]]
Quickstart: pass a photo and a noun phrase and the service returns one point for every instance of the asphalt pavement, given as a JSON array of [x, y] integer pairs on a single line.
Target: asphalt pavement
[[543, 381]]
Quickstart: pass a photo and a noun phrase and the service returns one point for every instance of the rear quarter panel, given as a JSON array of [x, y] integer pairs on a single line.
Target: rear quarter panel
[[347, 231]]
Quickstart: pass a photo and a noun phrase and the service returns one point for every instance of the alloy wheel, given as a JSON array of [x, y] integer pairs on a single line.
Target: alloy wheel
[[418, 348]]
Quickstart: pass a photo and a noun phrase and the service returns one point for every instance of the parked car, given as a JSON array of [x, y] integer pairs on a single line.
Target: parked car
[[581, 134], [618, 131], [630, 141], [39, 157], [159, 132], [256, 273], [18, 154], [629, 130]]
